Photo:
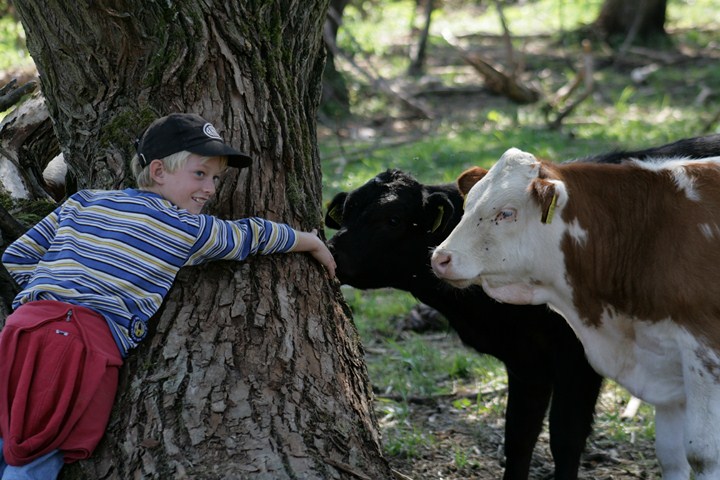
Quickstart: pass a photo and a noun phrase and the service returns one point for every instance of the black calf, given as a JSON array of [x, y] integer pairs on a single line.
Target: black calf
[[386, 229]]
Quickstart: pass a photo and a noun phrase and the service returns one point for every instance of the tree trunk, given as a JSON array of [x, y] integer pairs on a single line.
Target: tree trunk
[[335, 96], [254, 369], [418, 51], [643, 19]]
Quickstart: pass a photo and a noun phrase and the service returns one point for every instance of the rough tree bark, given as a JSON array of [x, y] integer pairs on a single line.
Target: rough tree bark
[[254, 369]]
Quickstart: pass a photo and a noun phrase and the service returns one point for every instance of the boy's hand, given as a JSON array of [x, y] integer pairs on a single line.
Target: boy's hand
[[311, 243]]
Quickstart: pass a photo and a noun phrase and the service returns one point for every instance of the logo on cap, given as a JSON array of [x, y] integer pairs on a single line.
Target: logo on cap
[[210, 131]]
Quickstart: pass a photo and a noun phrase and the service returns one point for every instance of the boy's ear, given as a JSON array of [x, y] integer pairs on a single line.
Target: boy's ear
[[157, 171]]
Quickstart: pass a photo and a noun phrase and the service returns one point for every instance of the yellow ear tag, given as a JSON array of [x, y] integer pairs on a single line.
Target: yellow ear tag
[[438, 219], [335, 214], [551, 210]]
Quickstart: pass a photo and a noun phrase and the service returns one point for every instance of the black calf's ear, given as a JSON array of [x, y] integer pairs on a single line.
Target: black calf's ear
[[438, 212], [334, 215]]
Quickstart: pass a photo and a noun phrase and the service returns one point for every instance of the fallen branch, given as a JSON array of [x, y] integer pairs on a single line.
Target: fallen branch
[[9, 95], [496, 81]]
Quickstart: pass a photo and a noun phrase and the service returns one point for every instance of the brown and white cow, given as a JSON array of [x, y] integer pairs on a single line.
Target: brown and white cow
[[629, 254]]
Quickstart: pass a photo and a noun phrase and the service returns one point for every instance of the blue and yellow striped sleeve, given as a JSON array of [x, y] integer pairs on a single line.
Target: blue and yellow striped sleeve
[[238, 239], [23, 255]]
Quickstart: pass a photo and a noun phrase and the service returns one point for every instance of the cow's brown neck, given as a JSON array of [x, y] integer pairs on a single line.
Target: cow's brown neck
[[645, 254]]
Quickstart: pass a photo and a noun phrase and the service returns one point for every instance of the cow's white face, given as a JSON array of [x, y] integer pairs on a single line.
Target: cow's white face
[[504, 241]]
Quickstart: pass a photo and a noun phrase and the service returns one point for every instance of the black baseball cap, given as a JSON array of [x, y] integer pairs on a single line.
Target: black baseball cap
[[185, 131]]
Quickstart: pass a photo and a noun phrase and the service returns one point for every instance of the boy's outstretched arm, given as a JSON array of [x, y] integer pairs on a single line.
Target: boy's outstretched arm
[[311, 243]]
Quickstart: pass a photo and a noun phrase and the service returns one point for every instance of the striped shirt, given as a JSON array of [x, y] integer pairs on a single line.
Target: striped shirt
[[118, 252]]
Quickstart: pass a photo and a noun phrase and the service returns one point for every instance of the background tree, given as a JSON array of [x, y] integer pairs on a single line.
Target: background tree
[[418, 51], [642, 20], [335, 95], [253, 369]]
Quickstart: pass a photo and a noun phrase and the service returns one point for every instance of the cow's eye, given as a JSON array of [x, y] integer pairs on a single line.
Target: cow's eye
[[507, 214], [394, 221]]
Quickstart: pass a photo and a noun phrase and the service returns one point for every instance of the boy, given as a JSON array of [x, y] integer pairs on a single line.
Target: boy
[[94, 271]]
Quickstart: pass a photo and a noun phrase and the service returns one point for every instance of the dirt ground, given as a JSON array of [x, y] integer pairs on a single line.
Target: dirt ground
[[603, 459], [468, 445]]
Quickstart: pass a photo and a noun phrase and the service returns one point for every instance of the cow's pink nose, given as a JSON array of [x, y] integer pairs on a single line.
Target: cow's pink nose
[[441, 261]]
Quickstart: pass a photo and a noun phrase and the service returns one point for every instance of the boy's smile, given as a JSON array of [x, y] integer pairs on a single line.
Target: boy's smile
[[191, 186]]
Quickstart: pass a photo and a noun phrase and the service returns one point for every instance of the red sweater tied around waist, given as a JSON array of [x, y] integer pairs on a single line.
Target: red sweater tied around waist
[[59, 369]]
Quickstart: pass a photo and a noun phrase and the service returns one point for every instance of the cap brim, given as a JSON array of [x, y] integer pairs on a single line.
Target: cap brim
[[235, 158], [239, 160]]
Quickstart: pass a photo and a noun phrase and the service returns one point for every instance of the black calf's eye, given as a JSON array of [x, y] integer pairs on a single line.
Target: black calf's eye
[[394, 221]]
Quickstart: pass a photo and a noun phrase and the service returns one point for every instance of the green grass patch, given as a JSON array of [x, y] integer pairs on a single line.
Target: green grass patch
[[610, 421]]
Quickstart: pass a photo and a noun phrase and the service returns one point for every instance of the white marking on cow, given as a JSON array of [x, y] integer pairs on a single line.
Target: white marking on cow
[[644, 357], [685, 183], [576, 232], [677, 168]]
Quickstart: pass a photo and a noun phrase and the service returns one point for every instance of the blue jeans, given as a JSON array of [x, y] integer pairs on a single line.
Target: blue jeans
[[46, 467]]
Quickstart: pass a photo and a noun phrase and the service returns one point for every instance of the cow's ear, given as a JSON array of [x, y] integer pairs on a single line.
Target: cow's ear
[[468, 178], [544, 193], [334, 215], [438, 211]]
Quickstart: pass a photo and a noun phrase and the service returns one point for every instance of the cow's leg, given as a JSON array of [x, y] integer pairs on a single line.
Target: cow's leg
[[702, 413], [526, 407], [669, 423], [577, 387]]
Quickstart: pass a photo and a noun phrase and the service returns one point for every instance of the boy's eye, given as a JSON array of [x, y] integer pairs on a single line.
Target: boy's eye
[[200, 173]]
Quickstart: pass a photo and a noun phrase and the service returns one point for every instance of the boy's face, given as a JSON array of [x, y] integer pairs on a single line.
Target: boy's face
[[191, 186]]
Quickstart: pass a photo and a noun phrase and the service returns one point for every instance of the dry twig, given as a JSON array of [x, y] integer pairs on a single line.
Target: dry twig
[[585, 76]]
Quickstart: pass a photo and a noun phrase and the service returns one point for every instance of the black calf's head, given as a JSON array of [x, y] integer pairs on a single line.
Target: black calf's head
[[387, 227]]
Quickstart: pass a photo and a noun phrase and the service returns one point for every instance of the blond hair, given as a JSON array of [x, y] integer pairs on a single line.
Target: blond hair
[[172, 162]]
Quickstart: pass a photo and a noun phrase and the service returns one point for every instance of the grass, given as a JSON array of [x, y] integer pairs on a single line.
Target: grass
[[619, 115], [609, 418], [406, 364]]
